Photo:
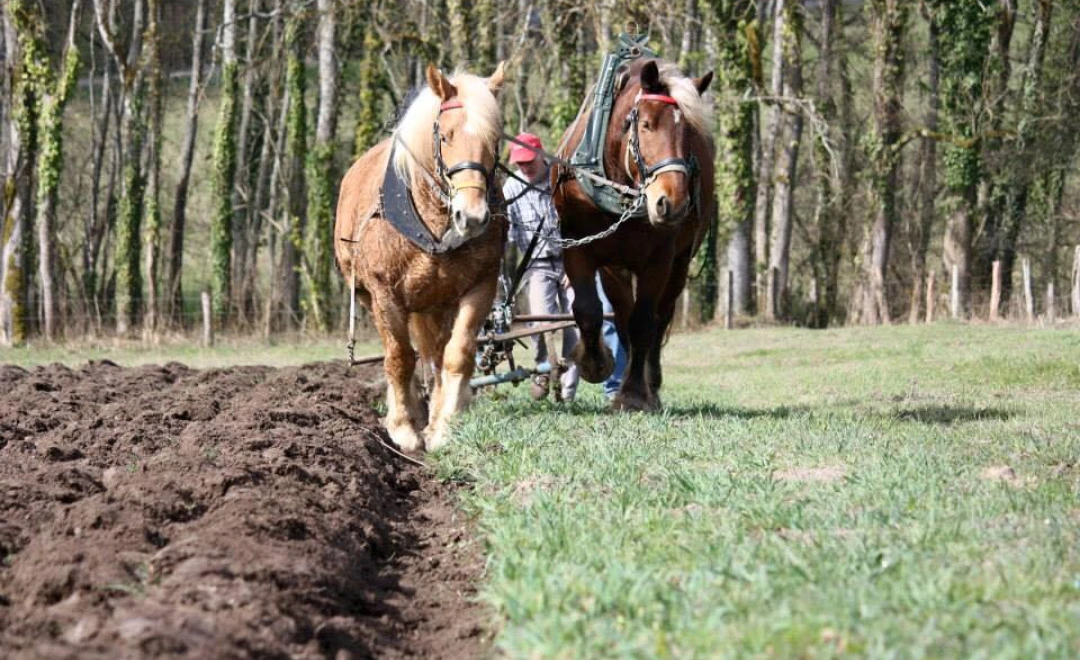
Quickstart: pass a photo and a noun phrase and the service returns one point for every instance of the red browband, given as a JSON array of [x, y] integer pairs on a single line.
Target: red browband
[[450, 105], [663, 98]]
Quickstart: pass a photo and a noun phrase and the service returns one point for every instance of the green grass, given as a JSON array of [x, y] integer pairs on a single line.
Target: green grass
[[894, 492]]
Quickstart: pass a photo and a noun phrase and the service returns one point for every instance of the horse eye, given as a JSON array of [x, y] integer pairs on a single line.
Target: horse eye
[[646, 126], [444, 138]]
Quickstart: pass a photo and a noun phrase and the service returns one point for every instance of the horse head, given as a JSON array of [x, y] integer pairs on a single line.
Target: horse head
[[465, 142], [667, 114]]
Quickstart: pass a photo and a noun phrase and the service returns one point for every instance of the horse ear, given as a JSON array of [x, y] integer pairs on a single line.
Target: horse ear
[[650, 78], [495, 81], [439, 84], [702, 83]]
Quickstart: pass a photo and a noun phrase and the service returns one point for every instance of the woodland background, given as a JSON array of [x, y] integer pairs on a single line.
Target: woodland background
[[153, 149]]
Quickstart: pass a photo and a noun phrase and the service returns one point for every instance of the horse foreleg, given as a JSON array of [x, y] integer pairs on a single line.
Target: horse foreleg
[[665, 313], [635, 393], [402, 403], [593, 358], [430, 333], [459, 359]]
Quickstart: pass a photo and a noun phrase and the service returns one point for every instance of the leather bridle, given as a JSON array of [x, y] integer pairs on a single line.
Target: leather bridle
[[446, 174], [648, 173]]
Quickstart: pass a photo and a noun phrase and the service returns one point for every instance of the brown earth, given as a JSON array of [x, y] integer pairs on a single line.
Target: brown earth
[[248, 512]]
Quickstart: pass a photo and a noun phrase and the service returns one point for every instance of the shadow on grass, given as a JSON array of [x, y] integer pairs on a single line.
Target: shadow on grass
[[951, 414], [677, 409], [717, 411]]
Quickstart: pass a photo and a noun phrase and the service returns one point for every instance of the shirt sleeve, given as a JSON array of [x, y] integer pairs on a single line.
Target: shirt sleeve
[[513, 211]]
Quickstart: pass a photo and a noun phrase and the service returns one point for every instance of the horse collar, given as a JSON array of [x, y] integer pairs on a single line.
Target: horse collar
[[399, 209]]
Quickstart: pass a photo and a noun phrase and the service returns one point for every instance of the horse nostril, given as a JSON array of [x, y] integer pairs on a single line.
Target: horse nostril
[[662, 205], [458, 217]]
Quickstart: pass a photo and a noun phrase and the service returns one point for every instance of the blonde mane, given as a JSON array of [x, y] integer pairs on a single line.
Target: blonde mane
[[483, 120], [693, 106]]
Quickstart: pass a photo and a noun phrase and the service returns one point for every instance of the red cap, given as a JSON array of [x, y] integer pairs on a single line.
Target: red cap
[[519, 154]]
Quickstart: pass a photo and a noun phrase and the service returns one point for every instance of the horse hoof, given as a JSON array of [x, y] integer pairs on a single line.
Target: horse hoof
[[435, 440], [593, 368], [406, 438], [632, 403]]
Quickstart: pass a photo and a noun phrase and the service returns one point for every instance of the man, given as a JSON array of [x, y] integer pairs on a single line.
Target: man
[[530, 210]]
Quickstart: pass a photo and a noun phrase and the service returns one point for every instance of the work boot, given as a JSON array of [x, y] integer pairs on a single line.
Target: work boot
[[540, 385]]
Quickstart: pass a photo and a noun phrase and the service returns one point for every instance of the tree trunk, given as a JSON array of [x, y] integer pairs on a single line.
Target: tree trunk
[[737, 35], [824, 161], [224, 178], [458, 13], [889, 20], [50, 168], [367, 118], [266, 179], [963, 58], [295, 148], [152, 237], [131, 201], [320, 174], [784, 179], [486, 34], [187, 156], [14, 224], [919, 233], [1020, 182], [766, 175], [95, 223], [247, 134], [691, 22], [989, 238]]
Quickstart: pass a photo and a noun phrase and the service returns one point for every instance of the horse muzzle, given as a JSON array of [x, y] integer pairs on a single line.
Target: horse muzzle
[[470, 220], [664, 211]]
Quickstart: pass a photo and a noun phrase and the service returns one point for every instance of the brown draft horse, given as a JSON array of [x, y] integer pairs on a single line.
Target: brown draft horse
[[671, 121], [437, 300]]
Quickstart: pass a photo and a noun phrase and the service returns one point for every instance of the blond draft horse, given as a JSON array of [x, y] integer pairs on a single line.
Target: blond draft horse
[[658, 141], [436, 301]]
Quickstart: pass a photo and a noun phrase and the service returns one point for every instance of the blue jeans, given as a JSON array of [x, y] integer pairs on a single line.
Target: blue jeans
[[611, 340]]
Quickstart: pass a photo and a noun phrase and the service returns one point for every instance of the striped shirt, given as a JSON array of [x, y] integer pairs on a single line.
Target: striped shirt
[[526, 214]]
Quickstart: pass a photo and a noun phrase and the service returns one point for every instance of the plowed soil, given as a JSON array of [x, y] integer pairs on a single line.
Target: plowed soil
[[249, 512]]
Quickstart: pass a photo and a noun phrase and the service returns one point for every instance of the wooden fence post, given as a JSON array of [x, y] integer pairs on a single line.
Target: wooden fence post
[[1051, 311], [995, 290], [207, 320], [686, 308], [1076, 283], [930, 297], [954, 296], [1029, 299]]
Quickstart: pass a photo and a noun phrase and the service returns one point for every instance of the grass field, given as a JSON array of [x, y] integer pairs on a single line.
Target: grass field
[[894, 492]]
